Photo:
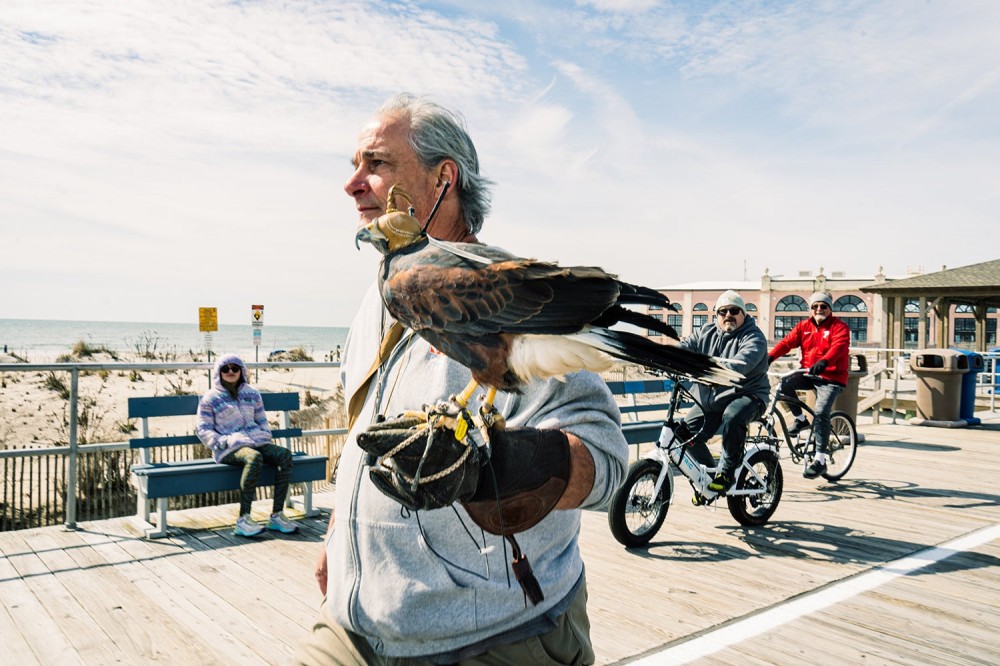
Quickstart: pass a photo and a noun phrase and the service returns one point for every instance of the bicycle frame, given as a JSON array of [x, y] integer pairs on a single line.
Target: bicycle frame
[[669, 450], [772, 415]]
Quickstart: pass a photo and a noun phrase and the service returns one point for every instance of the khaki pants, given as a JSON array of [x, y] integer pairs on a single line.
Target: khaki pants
[[569, 643]]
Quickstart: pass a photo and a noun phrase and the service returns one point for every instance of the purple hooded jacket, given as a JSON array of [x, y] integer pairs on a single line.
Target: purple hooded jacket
[[226, 424]]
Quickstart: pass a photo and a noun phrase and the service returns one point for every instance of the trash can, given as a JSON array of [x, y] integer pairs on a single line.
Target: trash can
[[967, 405], [847, 401], [939, 386]]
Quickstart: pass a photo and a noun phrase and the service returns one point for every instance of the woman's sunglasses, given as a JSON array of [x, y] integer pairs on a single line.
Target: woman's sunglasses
[[229, 369]]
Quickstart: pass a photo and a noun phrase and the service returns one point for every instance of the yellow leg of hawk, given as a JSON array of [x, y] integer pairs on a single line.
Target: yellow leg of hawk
[[489, 417]]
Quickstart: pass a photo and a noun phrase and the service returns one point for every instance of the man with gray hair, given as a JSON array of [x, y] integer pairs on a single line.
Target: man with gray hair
[[407, 585], [733, 335]]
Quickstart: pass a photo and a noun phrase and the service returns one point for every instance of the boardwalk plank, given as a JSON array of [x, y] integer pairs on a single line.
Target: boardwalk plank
[[29, 613], [55, 578], [160, 620], [911, 488], [214, 628]]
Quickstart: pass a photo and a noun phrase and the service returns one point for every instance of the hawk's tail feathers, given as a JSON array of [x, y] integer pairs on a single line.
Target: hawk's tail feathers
[[636, 349]]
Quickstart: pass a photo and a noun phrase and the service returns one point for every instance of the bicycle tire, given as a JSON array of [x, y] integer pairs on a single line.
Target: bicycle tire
[[754, 510], [634, 516], [841, 446]]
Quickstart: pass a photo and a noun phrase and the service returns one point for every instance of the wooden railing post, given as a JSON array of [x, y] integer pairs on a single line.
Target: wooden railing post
[[74, 385]]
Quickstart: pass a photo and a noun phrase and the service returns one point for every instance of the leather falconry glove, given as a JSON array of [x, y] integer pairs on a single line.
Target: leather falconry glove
[[522, 481], [419, 462]]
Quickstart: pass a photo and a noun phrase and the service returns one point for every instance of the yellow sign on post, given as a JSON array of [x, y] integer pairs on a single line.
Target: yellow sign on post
[[208, 320]]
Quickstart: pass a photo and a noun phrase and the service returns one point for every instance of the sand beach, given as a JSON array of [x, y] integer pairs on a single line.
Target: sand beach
[[35, 406]]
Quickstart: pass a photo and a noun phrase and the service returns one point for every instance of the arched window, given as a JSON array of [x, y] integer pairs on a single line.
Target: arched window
[[792, 304], [700, 307], [964, 308], [678, 307], [849, 304], [912, 305], [751, 307], [783, 325], [651, 333]]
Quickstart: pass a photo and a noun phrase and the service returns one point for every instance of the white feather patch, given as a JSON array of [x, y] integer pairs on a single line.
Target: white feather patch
[[545, 356]]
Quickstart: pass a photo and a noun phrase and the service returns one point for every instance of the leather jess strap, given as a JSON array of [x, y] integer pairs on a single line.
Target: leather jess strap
[[357, 401]]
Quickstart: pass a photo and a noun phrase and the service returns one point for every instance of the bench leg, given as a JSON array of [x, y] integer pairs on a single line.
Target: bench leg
[[161, 527], [307, 501]]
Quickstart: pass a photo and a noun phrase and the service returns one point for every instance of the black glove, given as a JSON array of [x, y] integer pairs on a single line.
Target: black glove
[[819, 367], [523, 480], [769, 361], [421, 466]]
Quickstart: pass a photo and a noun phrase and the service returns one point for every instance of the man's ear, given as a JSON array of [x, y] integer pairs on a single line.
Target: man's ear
[[447, 171]]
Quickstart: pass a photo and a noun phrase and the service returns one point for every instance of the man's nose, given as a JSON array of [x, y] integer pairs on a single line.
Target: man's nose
[[356, 184]]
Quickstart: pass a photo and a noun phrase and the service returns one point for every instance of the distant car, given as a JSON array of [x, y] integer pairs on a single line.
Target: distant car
[[275, 354]]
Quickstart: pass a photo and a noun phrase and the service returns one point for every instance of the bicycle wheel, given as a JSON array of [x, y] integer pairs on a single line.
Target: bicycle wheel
[[753, 510], [841, 446], [634, 515]]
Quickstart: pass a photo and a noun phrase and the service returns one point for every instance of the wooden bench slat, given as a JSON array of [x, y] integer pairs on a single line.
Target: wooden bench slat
[[189, 477], [172, 440], [641, 386], [183, 405]]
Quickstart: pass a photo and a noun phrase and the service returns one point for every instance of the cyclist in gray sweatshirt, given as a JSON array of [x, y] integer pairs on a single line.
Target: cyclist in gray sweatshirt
[[733, 335]]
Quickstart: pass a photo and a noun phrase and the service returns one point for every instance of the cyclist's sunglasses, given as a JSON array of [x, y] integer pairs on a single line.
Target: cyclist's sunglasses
[[820, 306], [230, 368], [728, 311]]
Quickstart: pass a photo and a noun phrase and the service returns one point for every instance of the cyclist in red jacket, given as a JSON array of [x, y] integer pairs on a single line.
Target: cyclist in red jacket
[[825, 341]]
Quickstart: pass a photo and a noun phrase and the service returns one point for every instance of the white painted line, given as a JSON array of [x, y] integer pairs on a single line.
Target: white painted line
[[773, 618]]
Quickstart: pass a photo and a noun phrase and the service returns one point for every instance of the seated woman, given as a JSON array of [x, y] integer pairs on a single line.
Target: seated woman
[[233, 425]]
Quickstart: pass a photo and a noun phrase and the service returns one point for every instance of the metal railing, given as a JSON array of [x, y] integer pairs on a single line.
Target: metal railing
[[74, 449], [885, 364]]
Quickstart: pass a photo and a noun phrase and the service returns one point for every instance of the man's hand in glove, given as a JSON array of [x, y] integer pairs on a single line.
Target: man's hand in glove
[[425, 467], [525, 478], [818, 367], [421, 466]]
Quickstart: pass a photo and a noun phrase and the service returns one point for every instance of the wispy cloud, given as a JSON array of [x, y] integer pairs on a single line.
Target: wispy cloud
[[667, 140]]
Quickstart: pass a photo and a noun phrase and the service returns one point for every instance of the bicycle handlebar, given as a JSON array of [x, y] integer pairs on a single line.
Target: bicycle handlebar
[[796, 371]]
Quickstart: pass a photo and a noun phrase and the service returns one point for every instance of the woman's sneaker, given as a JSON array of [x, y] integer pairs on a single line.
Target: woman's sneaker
[[246, 527], [279, 523]]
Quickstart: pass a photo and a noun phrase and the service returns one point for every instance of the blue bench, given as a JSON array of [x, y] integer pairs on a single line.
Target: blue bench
[[163, 480], [636, 429]]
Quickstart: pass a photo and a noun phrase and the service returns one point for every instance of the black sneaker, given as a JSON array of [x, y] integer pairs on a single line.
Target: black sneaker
[[797, 426], [721, 482], [814, 470]]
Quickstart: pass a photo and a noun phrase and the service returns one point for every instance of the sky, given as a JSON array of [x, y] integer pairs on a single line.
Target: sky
[[158, 157]]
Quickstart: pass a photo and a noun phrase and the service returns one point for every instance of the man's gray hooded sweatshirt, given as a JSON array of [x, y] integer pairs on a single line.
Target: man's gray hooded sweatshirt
[[746, 344]]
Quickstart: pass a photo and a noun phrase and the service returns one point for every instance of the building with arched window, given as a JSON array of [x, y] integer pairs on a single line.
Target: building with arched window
[[779, 302]]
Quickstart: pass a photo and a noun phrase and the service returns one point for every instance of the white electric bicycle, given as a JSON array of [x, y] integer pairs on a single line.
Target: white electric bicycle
[[639, 507]]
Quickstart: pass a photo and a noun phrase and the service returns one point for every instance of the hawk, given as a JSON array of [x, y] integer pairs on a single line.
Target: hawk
[[512, 320]]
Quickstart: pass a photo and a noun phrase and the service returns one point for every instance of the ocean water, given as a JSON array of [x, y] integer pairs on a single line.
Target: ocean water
[[42, 341]]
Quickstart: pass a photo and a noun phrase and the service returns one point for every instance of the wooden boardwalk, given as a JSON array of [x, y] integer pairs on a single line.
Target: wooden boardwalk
[[809, 587]]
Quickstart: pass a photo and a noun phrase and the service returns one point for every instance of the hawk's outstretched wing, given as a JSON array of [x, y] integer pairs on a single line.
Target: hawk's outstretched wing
[[511, 320]]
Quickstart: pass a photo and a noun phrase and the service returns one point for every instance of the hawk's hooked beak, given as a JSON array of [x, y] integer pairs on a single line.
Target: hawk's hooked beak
[[370, 233]]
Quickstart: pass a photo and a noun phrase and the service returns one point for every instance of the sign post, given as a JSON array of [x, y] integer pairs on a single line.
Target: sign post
[[208, 323], [257, 324]]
